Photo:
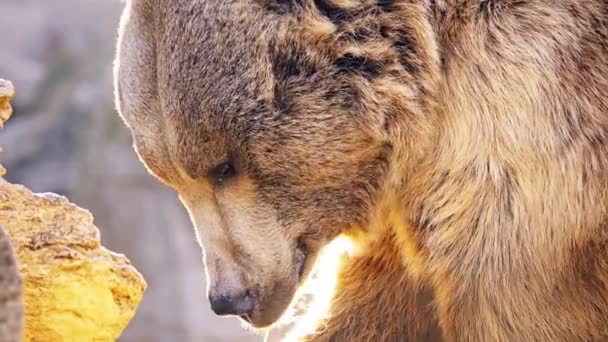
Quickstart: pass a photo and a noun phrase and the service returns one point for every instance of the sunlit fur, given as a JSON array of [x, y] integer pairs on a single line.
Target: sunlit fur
[[461, 144], [317, 293]]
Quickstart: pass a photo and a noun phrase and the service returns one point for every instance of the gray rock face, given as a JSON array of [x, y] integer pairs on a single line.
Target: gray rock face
[[11, 293]]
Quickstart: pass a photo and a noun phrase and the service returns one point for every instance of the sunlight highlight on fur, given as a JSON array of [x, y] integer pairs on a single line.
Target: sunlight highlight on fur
[[319, 288]]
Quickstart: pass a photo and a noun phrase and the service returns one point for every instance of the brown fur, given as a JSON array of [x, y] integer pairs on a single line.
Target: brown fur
[[470, 138], [374, 294]]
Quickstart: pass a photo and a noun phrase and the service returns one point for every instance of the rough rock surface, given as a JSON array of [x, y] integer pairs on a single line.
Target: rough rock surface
[[11, 284], [75, 290], [11, 293], [7, 91]]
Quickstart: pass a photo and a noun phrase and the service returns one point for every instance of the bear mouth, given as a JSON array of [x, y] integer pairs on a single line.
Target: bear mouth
[[301, 257], [270, 309], [246, 318]]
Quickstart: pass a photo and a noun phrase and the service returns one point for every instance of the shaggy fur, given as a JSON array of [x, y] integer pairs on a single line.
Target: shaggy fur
[[463, 142], [374, 296]]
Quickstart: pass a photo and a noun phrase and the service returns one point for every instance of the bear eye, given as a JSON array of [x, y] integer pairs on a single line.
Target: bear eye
[[222, 172]]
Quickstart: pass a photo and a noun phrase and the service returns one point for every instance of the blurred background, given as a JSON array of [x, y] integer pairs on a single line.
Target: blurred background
[[66, 137]]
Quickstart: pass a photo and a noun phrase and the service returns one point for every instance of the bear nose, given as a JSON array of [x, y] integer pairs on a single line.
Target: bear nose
[[240, 305]]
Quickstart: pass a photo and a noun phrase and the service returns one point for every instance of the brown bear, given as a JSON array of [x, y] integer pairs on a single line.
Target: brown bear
[[461, 144]]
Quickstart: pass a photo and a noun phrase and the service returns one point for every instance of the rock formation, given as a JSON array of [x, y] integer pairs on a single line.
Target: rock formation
[[11, 286], [73, 288], [7, 91]]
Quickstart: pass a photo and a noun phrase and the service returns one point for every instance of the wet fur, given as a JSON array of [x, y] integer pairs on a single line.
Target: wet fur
[[483, 164]]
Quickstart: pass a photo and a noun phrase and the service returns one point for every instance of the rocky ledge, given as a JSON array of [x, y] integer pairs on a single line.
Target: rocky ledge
[[73, 288]]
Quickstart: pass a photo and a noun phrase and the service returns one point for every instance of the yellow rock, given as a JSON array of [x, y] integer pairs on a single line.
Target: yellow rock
[[7, 91], [74, 289]]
